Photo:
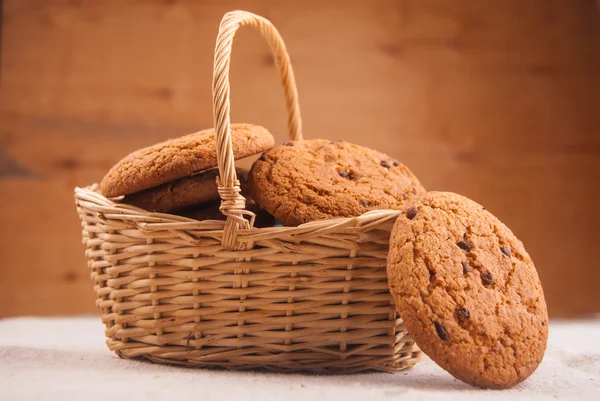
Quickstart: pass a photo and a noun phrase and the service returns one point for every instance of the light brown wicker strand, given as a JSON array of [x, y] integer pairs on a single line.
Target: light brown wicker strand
[[97, 273], [240, 282], [232, 202], [154, 288], [118, 325], [196, 304], [344, 315], [290, 300]]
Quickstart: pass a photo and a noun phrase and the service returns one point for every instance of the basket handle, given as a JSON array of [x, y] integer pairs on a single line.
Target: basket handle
[[232, 203]]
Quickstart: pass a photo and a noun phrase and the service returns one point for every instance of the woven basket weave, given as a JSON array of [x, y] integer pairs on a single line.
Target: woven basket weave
[[222, 293]]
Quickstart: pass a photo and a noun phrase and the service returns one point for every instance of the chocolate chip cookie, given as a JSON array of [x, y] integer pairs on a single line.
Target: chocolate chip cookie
[[188, 191], [468, 291], [180, 157], [316, 179]]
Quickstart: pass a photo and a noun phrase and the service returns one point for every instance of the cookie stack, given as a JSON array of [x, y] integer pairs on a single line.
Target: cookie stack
[[179, 175], [464, 285]]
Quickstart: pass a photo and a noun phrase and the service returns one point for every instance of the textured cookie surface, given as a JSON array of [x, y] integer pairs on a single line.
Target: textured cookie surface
[[180, 157], [317, 179], [193, 190], [468, 291]]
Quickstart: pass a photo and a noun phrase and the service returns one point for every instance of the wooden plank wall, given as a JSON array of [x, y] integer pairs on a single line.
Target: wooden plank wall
[[495, 100]]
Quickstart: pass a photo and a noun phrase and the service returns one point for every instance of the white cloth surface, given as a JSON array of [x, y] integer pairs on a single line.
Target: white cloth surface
[[66, 359]]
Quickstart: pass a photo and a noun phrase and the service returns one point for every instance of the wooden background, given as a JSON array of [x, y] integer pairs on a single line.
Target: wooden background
[[497, 100]]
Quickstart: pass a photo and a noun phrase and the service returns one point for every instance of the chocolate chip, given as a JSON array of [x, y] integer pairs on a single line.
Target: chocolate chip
[[365, 203], [347, 174], [505, 251], [288, 143], [396, 163], [487, 279], [462, 314], [412, 212], [465, 246], [441, 331], [543, 323], [385, 164], [466, 267]]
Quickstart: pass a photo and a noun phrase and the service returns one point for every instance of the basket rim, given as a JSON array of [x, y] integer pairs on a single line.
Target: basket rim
[[91, 197]]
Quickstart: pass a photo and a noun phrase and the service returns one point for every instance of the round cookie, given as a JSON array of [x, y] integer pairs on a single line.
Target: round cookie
[[210, 211], [468, 291], [193, 190], [317, 179], [180, 157]]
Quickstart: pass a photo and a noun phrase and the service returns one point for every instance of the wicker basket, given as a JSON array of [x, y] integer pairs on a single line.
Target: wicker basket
[[222, 293]]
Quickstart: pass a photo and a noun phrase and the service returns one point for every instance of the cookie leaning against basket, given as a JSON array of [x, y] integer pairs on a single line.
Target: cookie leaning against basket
[[223, 293], [468, 291]]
